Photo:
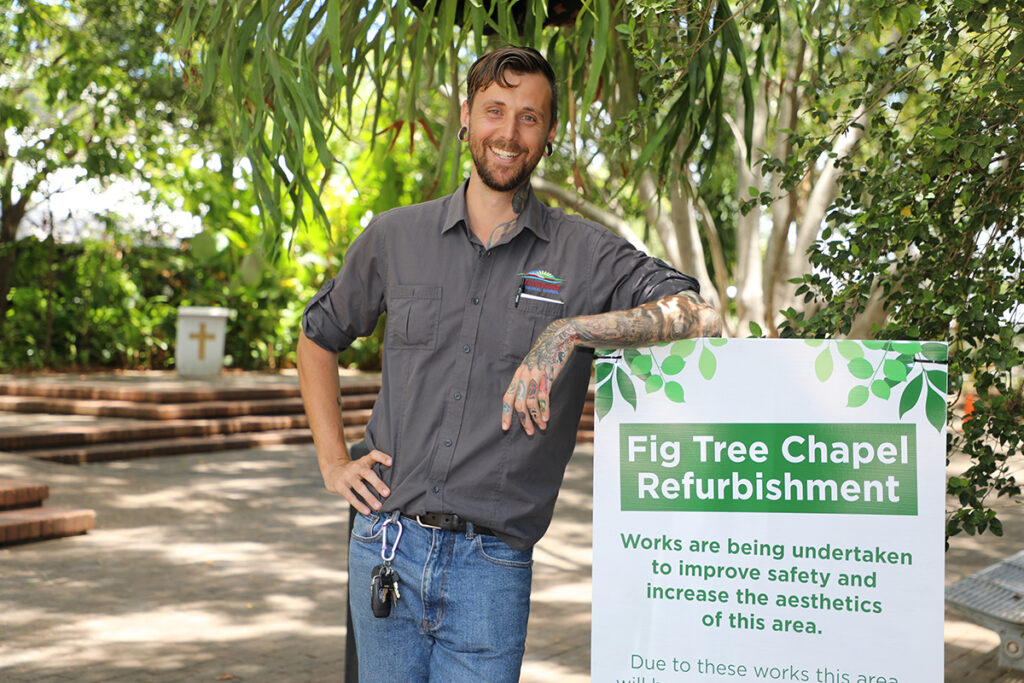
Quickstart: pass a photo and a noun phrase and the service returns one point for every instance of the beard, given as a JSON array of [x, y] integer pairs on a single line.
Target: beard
[[515, 176]]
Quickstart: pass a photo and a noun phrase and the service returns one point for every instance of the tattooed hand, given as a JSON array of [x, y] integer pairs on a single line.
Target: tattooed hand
[[529, 394], [678, 316]]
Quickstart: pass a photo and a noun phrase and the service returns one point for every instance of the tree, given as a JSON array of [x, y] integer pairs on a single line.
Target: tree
[[774, 149], [87, 86], [925, 236]]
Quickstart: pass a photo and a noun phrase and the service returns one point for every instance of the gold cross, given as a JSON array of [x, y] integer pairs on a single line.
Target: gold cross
[[202, 335]]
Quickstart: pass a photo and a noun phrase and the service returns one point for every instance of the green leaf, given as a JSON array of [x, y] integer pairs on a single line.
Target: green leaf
[[937, 378], [850, 350], [755, 330], [603, 399], [641, 365], [604, 369], [880, 388], [935, 351], [894, 369], [911, 395], [876, 344], [204, 246], [673, 365], [935, 409], [626, 388], [860, 368], [674, 392], [858, 396], [707, 364], [823, 365], [907, 348], [718, 341], [683, 347], [653, 383], [814, 342]]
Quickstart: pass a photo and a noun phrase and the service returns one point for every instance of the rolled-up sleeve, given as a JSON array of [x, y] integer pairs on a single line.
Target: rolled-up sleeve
[[348, 306], [625, 277]]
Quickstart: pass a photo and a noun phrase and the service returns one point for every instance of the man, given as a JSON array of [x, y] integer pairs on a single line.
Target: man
[[493, 301]]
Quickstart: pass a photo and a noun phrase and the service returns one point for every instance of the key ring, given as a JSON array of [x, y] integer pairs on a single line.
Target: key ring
[[384, 539]]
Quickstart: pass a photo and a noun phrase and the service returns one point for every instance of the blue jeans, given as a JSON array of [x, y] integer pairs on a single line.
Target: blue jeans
[[465, 601]]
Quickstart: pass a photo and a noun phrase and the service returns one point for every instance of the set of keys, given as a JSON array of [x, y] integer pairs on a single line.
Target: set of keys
[[384, 579], [383, 590]]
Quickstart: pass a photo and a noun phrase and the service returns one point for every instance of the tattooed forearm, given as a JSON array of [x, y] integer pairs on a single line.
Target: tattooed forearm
[[675, 317]]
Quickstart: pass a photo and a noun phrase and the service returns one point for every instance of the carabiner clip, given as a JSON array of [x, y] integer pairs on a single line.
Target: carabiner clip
[[393, 519]]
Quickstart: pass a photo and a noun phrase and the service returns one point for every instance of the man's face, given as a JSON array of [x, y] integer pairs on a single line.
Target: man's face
[[508, 128]]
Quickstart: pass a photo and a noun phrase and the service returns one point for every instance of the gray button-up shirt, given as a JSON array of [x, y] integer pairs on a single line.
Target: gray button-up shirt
[[460, 319]]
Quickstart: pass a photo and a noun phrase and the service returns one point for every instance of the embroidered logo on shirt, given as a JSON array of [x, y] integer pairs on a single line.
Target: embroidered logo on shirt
[[540, 284]]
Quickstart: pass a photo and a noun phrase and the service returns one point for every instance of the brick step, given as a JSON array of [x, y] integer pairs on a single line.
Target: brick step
[[168, 394], [143, 449], [169, 411], [38, 523], [15, 495], [25, 440]]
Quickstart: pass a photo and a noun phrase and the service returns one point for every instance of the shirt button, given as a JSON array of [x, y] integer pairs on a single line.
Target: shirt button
[[447, 442], [458, 397], [436, 489], [465, 349], [476, 300]]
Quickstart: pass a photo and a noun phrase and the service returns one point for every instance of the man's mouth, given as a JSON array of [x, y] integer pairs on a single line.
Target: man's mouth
[[504, 154]]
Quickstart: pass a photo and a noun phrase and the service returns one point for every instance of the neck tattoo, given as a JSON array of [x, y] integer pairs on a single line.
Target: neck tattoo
[[518, 204]]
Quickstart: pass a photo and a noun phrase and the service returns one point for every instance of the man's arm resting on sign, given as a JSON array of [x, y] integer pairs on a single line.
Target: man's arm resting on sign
[[678, 316], [321, 397]]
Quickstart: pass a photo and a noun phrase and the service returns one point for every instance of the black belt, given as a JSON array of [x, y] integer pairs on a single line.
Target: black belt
[[450, 522]]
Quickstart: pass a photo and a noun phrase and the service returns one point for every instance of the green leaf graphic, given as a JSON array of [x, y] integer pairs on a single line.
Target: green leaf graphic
[[653, 383], [626, 387], [935, 409], [934, 351], [814, 342], [860, 368], [629, 354], [876, 344], [673, 365], [674, 391], [894, 369], [707, 364], [850, 350], [603, 398], [937, 378], [823, 365], [718, 341], [603, 370], [858, 397], [683, 347], [911, 395], [641, 365], [880, 388], [908, 348]]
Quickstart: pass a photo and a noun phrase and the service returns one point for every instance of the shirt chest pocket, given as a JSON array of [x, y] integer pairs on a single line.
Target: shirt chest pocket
[[525, 323], [413, 315]]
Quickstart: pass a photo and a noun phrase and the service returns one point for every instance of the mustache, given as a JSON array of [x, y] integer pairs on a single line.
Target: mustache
[[506, 145]]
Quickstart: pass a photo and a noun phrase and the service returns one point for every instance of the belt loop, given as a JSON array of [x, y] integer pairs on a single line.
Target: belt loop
[[470, 531]]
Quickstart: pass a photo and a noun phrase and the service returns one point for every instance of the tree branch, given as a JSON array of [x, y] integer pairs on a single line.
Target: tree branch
[[571, 200]]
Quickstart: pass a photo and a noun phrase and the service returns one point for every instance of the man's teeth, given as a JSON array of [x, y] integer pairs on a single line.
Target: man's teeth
[[504, 154]]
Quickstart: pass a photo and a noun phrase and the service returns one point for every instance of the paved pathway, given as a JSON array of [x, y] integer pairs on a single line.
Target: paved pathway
[[230, 566]]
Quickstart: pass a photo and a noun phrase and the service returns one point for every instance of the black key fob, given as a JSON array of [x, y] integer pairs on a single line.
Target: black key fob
[[380, 591]]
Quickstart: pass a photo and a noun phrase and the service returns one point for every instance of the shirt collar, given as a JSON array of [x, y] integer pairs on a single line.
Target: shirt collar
[[532, 217]]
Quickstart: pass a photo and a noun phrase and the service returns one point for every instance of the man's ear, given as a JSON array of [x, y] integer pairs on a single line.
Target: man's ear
[[553, 132], [465, 113]]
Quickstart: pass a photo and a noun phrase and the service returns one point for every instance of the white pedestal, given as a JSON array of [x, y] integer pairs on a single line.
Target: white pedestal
[[200, 344]]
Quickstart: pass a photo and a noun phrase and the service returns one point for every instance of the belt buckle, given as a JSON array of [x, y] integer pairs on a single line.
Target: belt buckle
[[426, 526]]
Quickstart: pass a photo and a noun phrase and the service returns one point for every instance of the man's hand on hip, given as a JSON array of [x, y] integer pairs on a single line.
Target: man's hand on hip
[[350, 479]]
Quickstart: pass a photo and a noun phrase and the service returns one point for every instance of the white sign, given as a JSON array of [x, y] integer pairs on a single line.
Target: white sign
[[770, 510]]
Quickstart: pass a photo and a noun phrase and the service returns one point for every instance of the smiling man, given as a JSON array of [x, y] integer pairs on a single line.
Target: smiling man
[[494, 305]]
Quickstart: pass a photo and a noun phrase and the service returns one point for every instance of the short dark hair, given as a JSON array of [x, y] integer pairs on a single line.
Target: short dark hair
[[491, 68]]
